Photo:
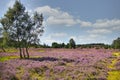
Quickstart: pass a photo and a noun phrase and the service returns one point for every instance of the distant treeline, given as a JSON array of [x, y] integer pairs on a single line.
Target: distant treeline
[[71, 44], [115, 45], [94, 45]]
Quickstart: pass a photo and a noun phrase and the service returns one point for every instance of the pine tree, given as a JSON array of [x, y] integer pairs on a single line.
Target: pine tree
[[72, 43]]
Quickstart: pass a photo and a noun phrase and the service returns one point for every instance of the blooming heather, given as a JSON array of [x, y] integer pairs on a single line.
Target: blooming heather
[[58, 64]]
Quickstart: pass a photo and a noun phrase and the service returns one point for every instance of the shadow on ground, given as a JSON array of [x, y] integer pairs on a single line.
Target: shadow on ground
[[51, 59]]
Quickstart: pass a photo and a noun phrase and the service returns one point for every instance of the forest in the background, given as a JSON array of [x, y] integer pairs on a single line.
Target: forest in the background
[[115, 45]]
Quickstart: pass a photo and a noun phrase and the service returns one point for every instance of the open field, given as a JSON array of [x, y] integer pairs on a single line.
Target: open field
[[61, 64], [60, 40]]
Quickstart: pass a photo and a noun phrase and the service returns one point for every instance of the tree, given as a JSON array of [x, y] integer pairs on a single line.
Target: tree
[[67, 45], [55, 45], [1, 45], [4, 32], [72, 43], [22, 28], [116, 43], [58, 45], [63, 45]]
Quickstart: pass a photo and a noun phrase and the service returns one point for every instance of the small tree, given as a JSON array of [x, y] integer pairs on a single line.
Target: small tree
[[4, 32], [72, 43], [116, 43], [1, 45], [63, 45], [67, 45], [22, 28], [55, 45]]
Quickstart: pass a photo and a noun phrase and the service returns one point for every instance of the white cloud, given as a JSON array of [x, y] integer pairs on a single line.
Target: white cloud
[[113, 24], [84, 23], [50, 41], [91, 38], [106, 23], [60, 21], [58, 35], [99, 31], [103, 26], [54, 37], [56, 16], [56, 12]]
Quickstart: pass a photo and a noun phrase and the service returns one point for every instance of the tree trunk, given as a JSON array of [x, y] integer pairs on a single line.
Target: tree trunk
[[27, 52], [23, 52], [20, 49], [20, 53], [3, 49]]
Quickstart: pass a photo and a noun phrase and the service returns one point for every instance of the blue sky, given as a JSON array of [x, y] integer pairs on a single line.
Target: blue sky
[[86, 21]]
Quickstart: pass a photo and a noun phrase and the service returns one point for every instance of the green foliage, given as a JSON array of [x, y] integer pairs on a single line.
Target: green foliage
[[72, 43], [114, 75], [57, 45], [95, 45], [67, 45], [116, 43], [63, 45], [4, 32], [11, 50], [20, 27]]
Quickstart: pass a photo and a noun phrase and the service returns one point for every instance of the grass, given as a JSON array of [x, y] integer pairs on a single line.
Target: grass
[[11, 50], [36, 76], [111, 66], [41, 51], [117, 54], [114, 74], [6, 58]]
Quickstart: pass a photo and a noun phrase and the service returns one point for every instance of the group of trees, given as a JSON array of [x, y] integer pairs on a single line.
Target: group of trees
[[94, 45], [21, 28], [60, 45], [71, 44]]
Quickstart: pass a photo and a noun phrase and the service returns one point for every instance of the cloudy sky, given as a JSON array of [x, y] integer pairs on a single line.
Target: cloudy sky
[[86, 21]]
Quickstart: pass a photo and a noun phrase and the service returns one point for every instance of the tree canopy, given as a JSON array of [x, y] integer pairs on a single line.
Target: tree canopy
[[21, 27], [72, 43], [116, 43]]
